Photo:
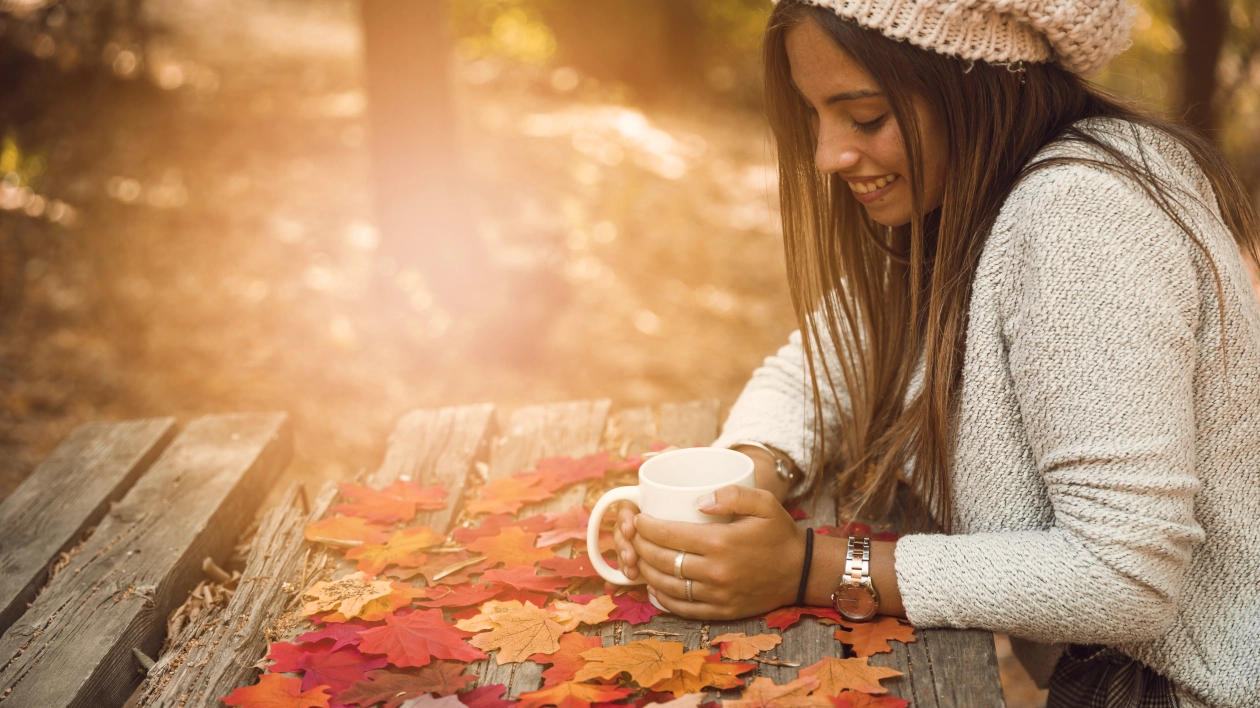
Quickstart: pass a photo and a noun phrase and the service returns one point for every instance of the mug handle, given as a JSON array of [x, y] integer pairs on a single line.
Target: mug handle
[[606, 571]]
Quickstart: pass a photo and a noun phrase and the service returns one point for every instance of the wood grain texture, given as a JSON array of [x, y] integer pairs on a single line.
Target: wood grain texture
[[946, 668], [573, 429], [437, 447], [689, 424], [65, 496], [73, 647], [217, 654]]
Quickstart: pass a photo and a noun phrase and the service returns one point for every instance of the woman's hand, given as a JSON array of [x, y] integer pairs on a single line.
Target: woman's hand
[[623, 539], [749, 566]]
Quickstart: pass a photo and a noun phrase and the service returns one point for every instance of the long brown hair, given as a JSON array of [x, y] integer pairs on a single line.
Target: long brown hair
[[880, 297]]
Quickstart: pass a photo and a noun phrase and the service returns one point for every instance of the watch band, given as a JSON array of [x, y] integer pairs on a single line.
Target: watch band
[[781, 466], [857, 560]]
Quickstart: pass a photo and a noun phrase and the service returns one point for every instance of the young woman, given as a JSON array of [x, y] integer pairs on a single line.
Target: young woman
[[1027, 326]]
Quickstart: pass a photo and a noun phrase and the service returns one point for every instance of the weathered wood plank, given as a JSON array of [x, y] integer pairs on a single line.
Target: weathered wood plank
[[946, 668], [631, 431], [436, 446], [217, 654], [73, 647], [573, 429], [66, 495], [689, 424]]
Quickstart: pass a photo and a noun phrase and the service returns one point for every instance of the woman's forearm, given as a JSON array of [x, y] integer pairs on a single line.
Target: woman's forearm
[[764, 470], [828, 566]]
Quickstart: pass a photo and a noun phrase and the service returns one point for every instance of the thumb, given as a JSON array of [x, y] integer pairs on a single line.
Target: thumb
[[740, 501]]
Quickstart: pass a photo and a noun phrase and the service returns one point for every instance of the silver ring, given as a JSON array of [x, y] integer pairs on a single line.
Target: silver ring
[[689, 597], [678, 561]]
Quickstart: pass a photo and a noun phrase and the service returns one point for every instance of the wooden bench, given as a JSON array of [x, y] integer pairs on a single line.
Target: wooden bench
[[85, 637]]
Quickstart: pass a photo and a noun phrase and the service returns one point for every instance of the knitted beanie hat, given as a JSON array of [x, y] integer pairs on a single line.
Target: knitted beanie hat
[[1081, 35]]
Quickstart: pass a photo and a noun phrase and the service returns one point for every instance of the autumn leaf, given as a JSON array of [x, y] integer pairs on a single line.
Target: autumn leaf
[[798, 514], [524, 578], [570, 614], [713, 673], [441, 677], [785, 617], [416, 639], [507, 495], [486, 697], [427, 701], [405, 547], [277, 691], [764, 693], [494, 524], [512, 547], [345, 532], [569, 525], [376, 609], [564, 471], [397, 502], [444, 568], [854, 699], [572, 694], [346, 596], [519, 633], [345, 634], [690, 700], [631, 609], [872, 637], [285, 655], [337, 670], [648, 661], [836, 675], [738, 646], [485, 620], [461, 596], [579, 567], [566, 662]]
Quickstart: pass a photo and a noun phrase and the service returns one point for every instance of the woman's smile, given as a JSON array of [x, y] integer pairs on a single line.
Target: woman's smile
[[871, 189]]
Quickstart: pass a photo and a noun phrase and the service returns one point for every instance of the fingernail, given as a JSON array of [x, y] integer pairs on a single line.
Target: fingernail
[[636, 521], [625, 528], [624, 558], [706, 501]]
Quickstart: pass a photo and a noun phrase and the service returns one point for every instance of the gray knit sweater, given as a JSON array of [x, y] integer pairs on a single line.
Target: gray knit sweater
[[1106, 480]]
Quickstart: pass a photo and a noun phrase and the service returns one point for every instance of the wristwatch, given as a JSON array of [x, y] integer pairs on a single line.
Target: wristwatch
[[855, 597], [781, 466]]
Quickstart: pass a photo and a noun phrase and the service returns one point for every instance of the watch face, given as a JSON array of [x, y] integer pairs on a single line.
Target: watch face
[[855, 602]]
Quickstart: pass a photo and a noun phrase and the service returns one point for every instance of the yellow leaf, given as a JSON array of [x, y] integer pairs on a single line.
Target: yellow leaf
[[764, 693], [835, 675], [570, 614], [738, 646], [348, 595], [648, 661], [520, 633], [485, 620]]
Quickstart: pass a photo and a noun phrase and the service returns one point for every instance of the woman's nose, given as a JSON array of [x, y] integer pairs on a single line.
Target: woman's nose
[[834, 154]]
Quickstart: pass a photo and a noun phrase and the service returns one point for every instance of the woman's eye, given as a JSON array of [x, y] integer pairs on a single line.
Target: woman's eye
[[870, 126]]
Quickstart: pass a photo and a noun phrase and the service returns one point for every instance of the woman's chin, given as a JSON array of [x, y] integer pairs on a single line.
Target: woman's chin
[[891, 215]]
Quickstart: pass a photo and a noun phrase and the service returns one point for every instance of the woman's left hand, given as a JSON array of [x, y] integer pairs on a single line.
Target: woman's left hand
[[741, 569]]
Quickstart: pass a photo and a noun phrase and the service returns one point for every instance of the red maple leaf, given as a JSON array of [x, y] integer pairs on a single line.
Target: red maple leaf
[[857, 699], [565, 526], [336, 669], [564, 471], [632, 609], [494, 524], [277, 691], [397, 502], [441, 677], [418, 638], [572, 694], [799, 514], [785, 617], [462, 596], [566, 662], [538, 599], [486, 697], [345, 634], [511, 547], [524, 578], [286, 655], [579, 567], [506, 495]]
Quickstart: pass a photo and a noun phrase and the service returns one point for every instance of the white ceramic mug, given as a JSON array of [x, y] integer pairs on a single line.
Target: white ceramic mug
[[669, 485]]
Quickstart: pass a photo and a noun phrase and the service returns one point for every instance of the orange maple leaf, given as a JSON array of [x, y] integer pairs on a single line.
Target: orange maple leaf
[[714, 673], [648, 661], [441, 677], [572, 694], [566, 662], [570, 614], [405, 547], [346, 596], [854, 699], [738, 646], [869, 638], [569, 525], [519, 632], [397, 502], [511, 547], [764, 693], [278, 691], [836, 675], [485, 619], [345, 532], [507, 495]]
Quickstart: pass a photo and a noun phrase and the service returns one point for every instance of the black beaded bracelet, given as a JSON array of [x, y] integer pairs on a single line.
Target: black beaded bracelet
[[809, 557]]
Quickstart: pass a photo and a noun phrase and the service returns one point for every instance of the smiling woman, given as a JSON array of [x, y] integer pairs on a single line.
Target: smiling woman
[[1026, 329]]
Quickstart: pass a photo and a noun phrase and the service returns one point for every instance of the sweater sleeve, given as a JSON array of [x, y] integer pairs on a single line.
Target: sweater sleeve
[[1100, 331], [776, 408]]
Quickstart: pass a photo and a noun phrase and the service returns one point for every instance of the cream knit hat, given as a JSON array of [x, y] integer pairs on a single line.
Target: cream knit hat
[[1081, 35]]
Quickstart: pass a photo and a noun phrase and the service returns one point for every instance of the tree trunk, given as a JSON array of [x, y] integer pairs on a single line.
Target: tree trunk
[[414, 148], [1202, 25]]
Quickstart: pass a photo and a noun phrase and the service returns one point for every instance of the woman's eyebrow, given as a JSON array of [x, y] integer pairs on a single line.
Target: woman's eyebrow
[[845, 96]]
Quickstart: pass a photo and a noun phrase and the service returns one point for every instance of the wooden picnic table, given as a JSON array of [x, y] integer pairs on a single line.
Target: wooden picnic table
[[109, 534]]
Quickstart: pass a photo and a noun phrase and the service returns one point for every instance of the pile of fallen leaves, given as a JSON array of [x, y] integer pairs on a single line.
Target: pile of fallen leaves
[[402, 629]]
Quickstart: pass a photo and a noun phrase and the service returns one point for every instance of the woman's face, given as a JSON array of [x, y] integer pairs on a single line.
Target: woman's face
[[858, 136]]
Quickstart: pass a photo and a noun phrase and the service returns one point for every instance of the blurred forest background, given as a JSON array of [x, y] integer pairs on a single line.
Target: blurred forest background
[[350, 208]]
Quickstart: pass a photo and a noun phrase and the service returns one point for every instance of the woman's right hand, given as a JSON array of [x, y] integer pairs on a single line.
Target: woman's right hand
[[623, 539]]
